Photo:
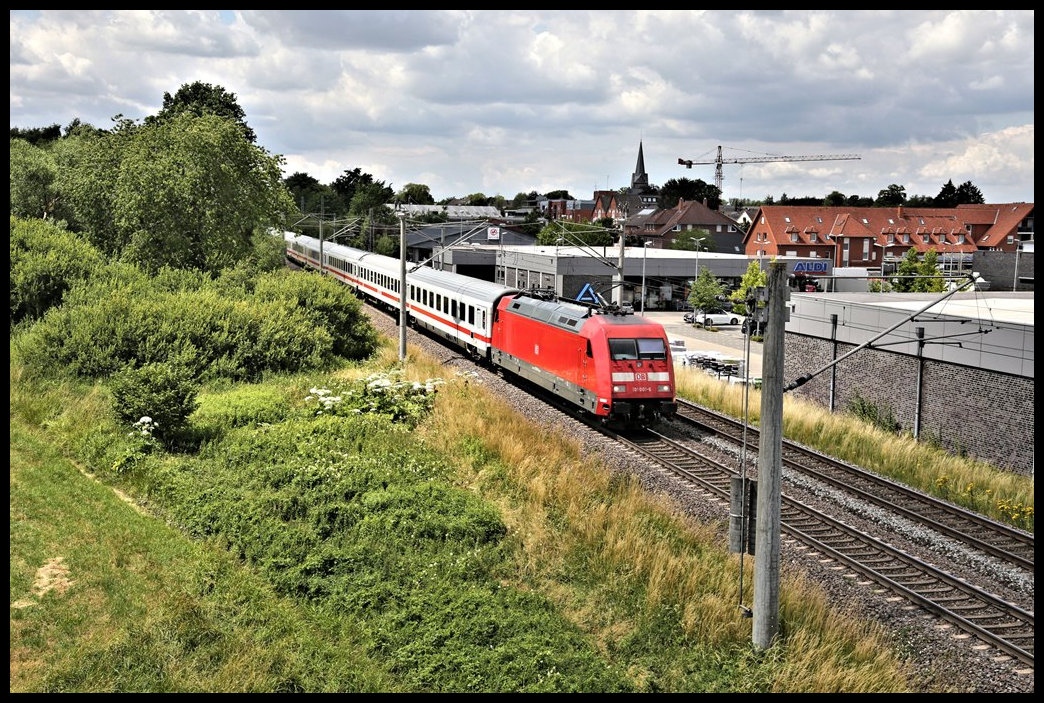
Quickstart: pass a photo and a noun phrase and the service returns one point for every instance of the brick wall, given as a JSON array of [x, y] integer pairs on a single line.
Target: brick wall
[[987, 414], [998, 267]]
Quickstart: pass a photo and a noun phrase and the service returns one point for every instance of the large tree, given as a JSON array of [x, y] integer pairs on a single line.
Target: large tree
[[947, 196], [891, 196], [969, 194], [200, 99], [33, 175], [415, 193], [192, 190], [187, 191], [690, 190], [37, 136], [692, 240]]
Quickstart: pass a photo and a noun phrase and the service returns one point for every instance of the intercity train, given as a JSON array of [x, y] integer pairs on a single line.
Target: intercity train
[[610, 363]]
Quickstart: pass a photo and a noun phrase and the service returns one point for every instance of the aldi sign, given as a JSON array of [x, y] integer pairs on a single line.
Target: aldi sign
[[811, 267]]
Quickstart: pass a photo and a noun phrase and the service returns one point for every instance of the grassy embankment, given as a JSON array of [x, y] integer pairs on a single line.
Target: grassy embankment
[[456, 550], [1003, 496]]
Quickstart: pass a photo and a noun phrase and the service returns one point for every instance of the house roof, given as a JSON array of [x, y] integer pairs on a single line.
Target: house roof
[[925, 227], [1002, 219], [686, 213]]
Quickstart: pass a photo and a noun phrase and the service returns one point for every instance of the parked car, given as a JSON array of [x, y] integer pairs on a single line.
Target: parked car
[[713, 318]]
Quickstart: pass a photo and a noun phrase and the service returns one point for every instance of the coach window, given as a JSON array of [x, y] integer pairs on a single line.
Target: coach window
[[471, 314], [454, 308]]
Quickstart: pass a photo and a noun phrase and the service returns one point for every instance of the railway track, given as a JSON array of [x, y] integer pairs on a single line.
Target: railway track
[[976, 531], [975, 611]]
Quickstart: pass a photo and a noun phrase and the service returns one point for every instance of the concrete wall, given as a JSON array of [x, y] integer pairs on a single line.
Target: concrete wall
[[998, 267], [986, 413]]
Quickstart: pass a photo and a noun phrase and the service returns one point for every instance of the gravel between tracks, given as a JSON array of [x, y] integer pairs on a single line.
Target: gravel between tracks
[[942, 659]]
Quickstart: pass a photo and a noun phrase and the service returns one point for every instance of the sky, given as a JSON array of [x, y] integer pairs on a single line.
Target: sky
[[507, 101]]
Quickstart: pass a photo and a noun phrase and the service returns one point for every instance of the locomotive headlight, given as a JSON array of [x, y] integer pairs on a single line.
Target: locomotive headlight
[[619, 389], [664, 388]]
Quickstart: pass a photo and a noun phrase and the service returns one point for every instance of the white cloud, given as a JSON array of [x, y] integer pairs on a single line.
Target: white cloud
[[503, 101]]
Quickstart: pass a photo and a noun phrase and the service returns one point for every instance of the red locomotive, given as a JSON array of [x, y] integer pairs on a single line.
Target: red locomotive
[[614, 365]]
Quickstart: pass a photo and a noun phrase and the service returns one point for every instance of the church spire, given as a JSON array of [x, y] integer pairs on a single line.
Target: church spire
[[639, 179]]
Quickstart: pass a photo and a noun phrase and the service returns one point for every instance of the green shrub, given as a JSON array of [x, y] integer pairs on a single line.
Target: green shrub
[[156, 398], [331, 304], [46, 261], [117, 323]]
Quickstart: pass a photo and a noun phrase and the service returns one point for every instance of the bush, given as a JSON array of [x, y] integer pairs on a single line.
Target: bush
[[329, 304], [156, 397], [112, 324], [46, 261]]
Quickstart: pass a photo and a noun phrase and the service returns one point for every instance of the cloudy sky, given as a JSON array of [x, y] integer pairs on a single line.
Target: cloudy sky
[[509, 101]]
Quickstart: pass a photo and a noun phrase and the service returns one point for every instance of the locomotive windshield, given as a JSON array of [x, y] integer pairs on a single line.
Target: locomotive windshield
[[629, 349]]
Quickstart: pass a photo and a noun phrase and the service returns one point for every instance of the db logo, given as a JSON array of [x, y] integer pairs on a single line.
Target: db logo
[[641, 377]]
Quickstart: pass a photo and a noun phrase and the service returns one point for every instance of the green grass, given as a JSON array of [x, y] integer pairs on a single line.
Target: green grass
[[143, 608]]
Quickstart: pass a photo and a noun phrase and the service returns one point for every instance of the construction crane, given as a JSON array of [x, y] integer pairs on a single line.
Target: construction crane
[[688, 163]]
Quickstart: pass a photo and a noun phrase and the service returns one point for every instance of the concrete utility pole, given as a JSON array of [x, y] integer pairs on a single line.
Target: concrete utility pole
[[402, 286], [770, 465]]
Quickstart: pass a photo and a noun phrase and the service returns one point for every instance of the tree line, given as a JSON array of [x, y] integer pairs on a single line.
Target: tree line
[[189, 186]]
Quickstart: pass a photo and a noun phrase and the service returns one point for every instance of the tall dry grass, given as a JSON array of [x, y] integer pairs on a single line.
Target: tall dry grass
[[1002, 495], [614, 556]]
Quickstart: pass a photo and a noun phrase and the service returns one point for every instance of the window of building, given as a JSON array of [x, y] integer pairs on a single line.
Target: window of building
[[960, 239], [793, 237], [866, 248], [1011, 239], [786, 219], [792, 253], [812, 237], [906, 239]]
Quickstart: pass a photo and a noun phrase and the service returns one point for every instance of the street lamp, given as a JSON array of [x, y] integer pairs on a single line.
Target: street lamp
[[1015, 283], [645, 256], [696, 277]]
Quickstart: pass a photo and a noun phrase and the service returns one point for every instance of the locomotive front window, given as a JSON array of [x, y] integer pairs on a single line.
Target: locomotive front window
[[623, 349], [652, 348], [631, 349]]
